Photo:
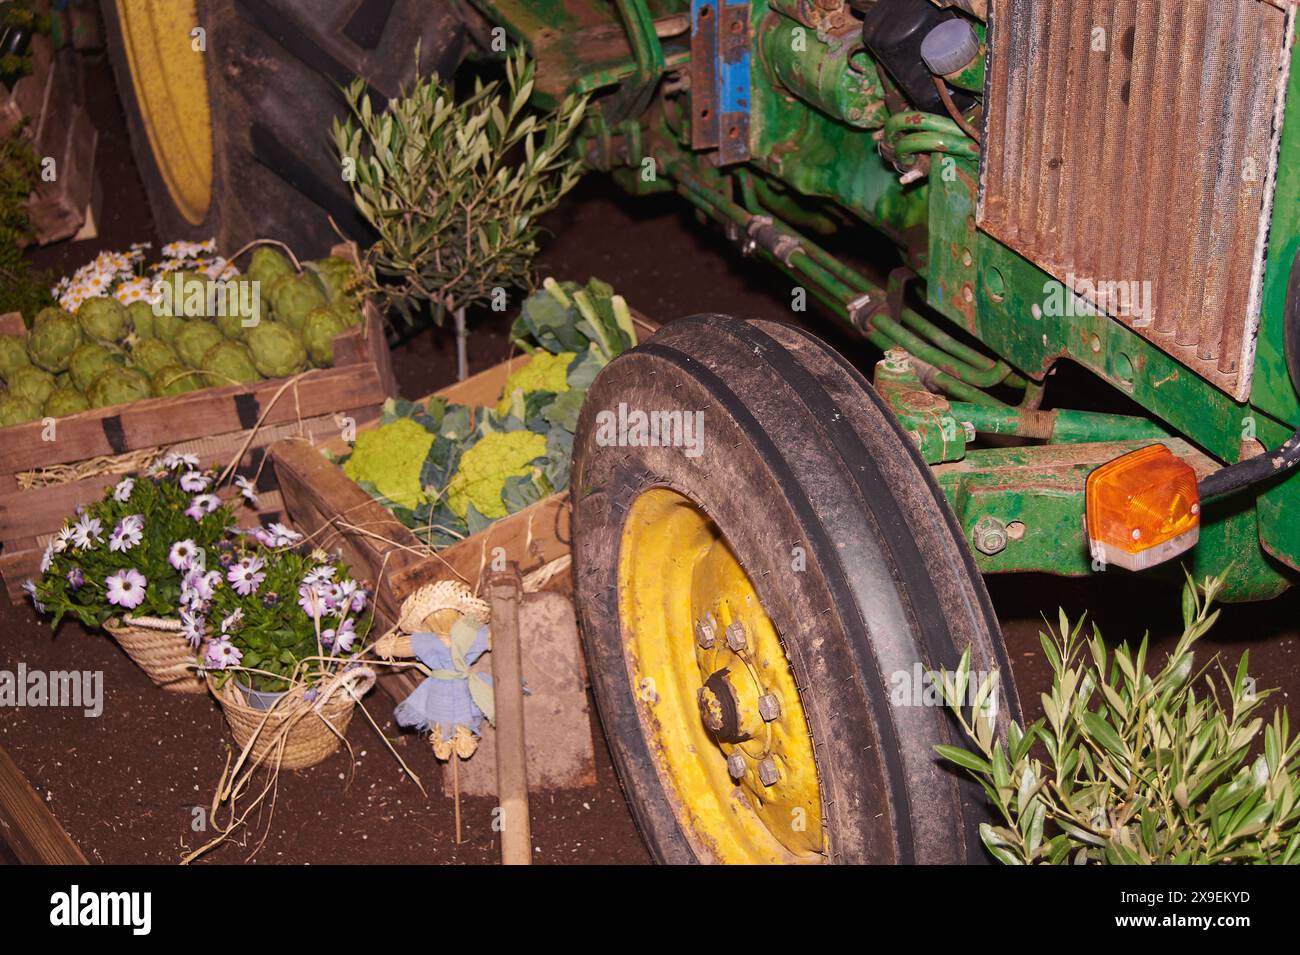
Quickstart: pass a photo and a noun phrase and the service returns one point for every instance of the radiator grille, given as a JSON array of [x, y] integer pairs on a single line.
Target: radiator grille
[[1129, 148]]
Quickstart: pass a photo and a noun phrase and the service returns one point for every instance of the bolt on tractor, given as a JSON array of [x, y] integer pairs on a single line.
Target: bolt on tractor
[[1109, 183]]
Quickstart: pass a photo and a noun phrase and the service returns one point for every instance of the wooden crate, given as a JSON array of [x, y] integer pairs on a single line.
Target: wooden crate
[[49, 101], [340, 515], [215, 424]]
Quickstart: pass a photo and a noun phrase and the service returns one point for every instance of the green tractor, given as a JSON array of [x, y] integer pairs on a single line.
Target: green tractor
[[764, 539]]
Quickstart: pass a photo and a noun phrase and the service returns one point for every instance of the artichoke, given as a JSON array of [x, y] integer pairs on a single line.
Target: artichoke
[[16, 410], [229, 361], [150, 354], [293, 296], [118, 386], [51, 343], [244, 308], [266, 266], [50, 311], [350, 313], [175, 380], [338, 277], [64, 401], [318, 332], [88, 362], [276, 350], [166, 326], [13, 354], [193, 341], [141, 315], [31, 383], [103, 319]]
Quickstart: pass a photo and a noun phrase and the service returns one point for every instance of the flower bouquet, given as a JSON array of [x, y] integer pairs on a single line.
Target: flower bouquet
[[282, 629], [125, 562]]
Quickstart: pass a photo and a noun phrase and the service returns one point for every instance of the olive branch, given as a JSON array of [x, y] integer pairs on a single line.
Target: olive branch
[[1128, 767], [455, 189]]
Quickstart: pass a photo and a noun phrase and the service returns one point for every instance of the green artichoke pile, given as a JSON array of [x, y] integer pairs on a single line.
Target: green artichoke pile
[[107, 353]]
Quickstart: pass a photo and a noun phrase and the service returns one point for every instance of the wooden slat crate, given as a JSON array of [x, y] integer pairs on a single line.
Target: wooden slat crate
[[49, 101], [213, 423]]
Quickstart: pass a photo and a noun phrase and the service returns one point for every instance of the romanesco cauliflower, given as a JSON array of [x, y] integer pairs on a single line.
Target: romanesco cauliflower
[[483, 470], [391, 458], [544, 372]]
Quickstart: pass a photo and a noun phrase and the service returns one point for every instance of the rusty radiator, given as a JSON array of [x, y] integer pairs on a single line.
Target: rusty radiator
[[1129, 151]]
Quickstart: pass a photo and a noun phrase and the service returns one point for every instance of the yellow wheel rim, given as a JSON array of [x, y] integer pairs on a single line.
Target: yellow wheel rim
[[716, 695], [171, 88]]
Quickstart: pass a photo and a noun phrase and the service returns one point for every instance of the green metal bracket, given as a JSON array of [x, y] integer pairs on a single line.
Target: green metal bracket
[[636, 91], [1022, 509]]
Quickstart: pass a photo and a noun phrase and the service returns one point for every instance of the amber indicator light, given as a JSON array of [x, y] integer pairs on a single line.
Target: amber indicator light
[[1143, 508]]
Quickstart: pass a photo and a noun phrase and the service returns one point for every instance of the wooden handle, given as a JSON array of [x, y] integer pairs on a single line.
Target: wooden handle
[[504, 592]]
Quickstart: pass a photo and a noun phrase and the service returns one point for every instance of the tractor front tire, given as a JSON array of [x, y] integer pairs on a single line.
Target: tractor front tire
[[758, 605]]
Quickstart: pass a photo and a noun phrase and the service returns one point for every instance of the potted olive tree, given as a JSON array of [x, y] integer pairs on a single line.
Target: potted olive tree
[[455, 189]]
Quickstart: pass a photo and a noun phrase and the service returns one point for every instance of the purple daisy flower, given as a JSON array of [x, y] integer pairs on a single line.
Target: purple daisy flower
[[194, 482], [192, 626], [182, 554], [126, 588], [222, 654], [246, 576], [202, 506]]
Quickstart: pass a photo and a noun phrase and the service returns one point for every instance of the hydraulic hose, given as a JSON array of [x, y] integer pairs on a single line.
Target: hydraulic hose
[[1281, 459]]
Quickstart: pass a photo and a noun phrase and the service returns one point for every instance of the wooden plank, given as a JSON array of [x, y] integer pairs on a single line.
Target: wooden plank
[[155, 422], [57, 209], [27, 825], [42, 510], [535, 536]]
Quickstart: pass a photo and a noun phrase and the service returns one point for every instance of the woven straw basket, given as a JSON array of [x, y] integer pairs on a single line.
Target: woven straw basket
[[157, 647], [298, 725]]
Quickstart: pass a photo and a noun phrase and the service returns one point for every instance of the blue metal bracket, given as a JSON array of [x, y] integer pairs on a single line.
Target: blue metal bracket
[[720, 38]]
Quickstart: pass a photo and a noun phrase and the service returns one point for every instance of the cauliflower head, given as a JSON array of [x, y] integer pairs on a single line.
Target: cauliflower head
[[391, 458], [481, 475], [544, 372]]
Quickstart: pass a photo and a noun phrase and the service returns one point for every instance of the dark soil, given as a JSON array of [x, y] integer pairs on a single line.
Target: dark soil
[[126, 785]]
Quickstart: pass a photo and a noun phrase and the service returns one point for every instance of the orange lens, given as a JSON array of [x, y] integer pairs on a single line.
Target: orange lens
[[1143, 508]]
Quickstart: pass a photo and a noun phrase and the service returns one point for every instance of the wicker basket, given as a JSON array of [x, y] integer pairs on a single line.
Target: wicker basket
[[295, 733], [157, 647]]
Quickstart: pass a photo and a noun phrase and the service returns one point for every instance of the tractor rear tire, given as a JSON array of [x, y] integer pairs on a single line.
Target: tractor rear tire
[[855, 557], [237, 145]]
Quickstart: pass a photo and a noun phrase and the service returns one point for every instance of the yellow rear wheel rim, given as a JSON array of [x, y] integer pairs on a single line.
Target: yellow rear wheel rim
[[171, 89], [724, 722]]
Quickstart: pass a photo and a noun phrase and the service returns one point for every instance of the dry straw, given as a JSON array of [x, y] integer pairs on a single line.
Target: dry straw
[[297, 731]]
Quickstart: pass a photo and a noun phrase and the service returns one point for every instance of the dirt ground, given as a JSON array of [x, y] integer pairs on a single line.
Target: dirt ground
[[126, 785]]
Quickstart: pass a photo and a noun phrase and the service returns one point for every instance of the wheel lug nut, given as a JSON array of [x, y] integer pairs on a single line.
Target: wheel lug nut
[[705, 630], [769, 707], [767, 773], [736, 765], [736, 636]]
